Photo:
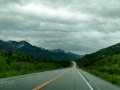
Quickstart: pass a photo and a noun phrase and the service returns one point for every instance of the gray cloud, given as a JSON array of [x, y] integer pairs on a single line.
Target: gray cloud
[[73, 25]]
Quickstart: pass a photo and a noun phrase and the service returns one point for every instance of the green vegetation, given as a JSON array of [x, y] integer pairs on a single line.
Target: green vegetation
[[16, 63], [107, 68], [101, 54]]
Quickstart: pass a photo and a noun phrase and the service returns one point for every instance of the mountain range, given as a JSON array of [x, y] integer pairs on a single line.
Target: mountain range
[[28, 49]]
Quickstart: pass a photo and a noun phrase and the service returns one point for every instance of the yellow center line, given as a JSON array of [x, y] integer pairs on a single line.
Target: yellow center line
[[49, 81]]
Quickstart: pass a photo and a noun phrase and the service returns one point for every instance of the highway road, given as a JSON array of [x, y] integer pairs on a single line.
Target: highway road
[[62, 79]]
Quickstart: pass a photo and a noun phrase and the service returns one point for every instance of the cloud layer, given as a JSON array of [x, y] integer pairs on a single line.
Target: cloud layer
[[73, 25]]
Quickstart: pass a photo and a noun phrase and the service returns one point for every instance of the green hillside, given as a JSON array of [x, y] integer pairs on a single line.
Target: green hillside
[[102, 53], [106, 67], [16, 63]]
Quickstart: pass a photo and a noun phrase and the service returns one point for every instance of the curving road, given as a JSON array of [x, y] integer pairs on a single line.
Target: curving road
[[62, 79]]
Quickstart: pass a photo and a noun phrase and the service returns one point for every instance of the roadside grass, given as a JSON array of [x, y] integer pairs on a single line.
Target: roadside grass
[[107, 68]]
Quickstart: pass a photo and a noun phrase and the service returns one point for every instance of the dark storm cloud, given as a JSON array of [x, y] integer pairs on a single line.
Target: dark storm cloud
[[9, 2], [73, 25]]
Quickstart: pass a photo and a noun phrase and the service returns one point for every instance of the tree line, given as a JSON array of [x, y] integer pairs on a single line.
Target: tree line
[[15, 63]]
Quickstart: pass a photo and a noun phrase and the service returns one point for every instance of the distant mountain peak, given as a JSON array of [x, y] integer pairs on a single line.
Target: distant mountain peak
[[57, 51]]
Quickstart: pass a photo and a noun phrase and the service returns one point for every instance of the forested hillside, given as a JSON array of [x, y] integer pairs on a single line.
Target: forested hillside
[[107, 67], [16, 63], [102, 53]]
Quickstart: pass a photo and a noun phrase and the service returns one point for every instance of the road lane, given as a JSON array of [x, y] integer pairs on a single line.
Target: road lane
[[98, 83], [73, 79], [44, 84], [69, 81], [33, 80]]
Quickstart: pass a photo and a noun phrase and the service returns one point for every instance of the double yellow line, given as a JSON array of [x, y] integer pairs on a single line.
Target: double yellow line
[[44, 84]]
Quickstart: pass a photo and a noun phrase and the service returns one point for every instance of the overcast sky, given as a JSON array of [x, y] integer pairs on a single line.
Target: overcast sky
[[78, 26]]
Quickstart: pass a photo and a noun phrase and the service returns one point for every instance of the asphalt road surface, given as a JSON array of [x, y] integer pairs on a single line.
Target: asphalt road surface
[[62, 79]]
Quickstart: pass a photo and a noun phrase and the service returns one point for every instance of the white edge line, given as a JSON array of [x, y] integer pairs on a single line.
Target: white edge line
[[86, 81]]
